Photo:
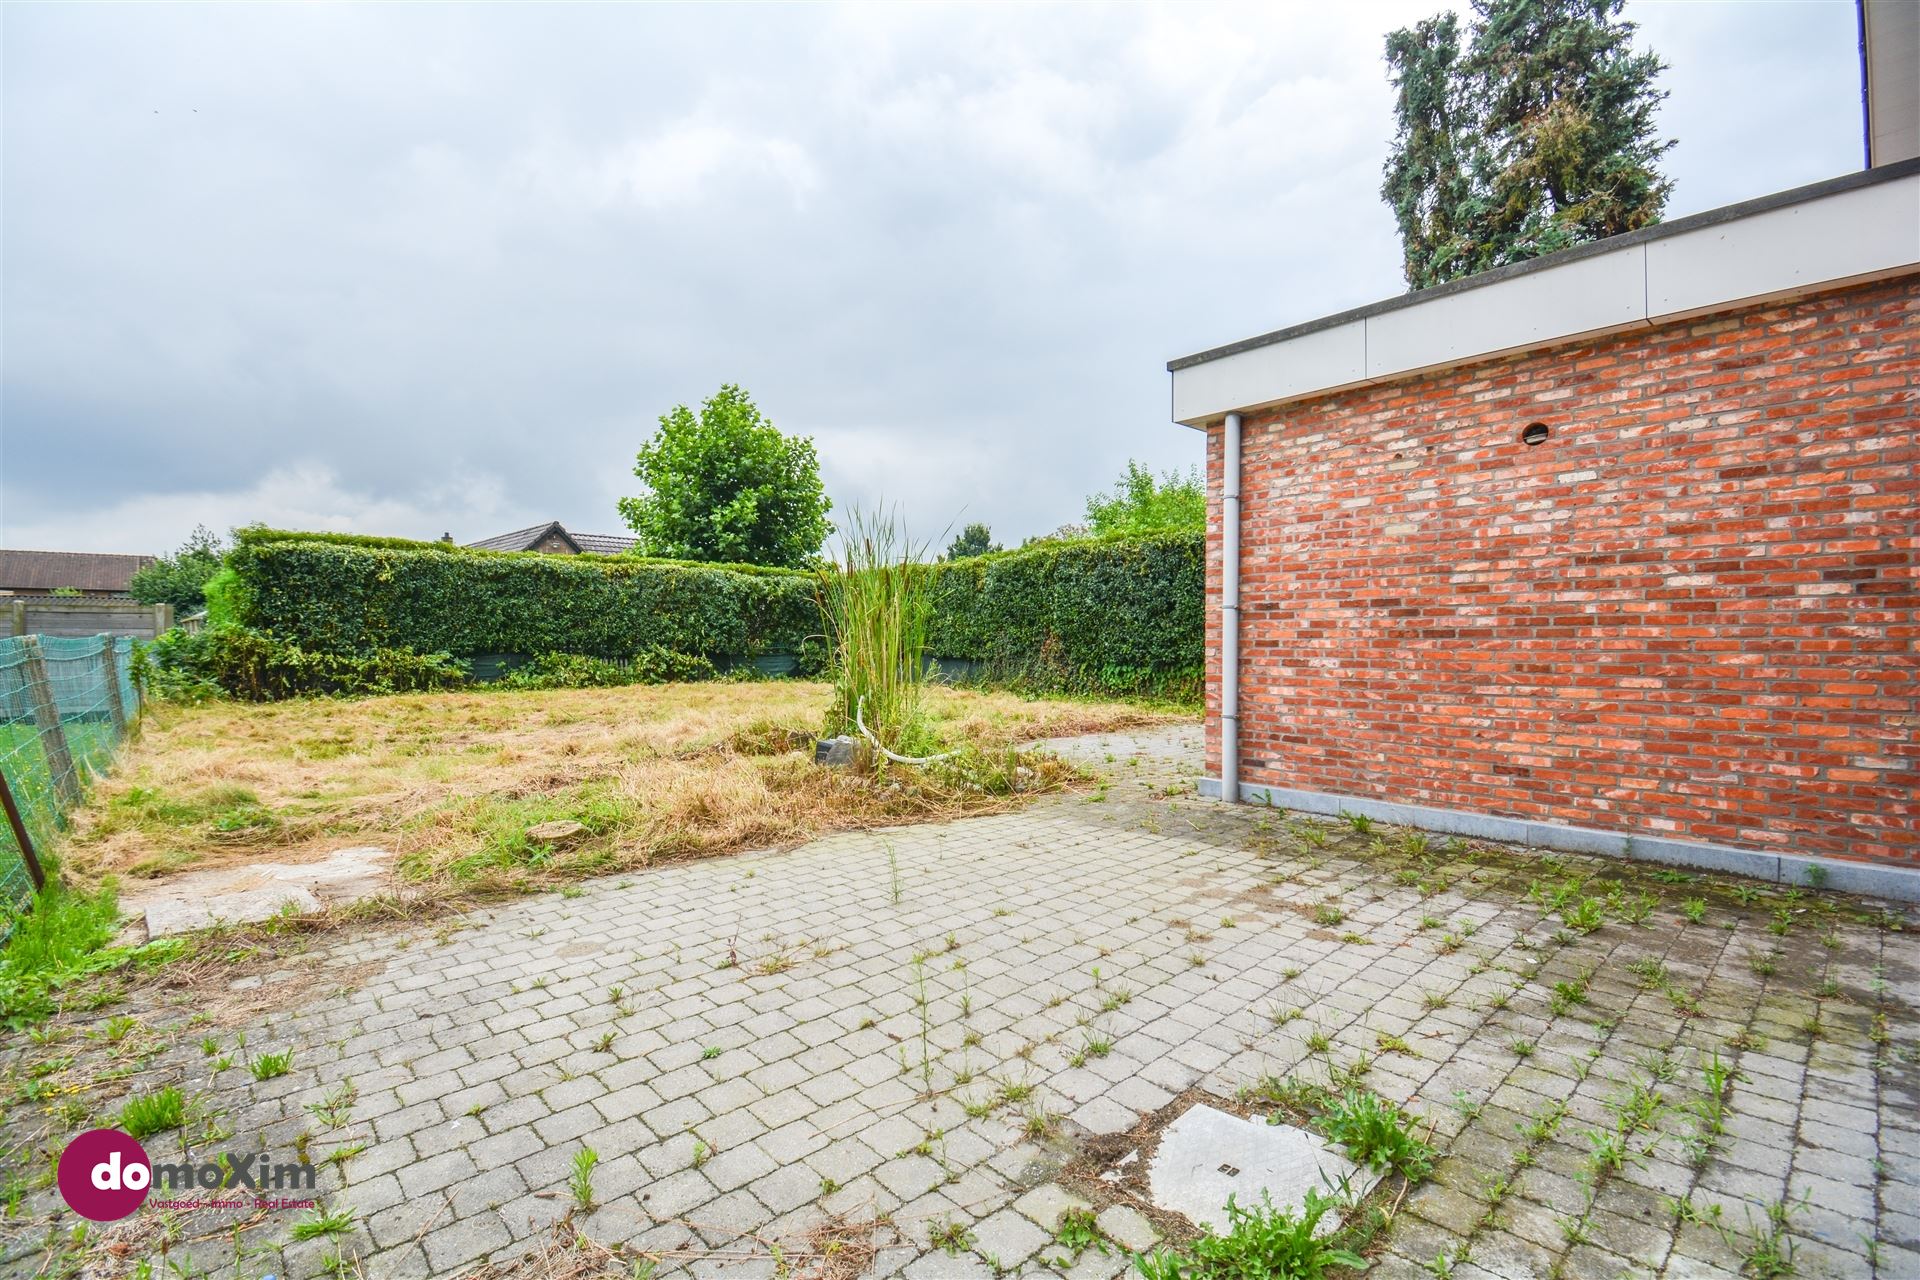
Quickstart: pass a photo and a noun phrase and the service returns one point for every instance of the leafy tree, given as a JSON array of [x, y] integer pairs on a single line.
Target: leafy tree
[[1142, 504], [1535, 136], [181, 578], [727, 486], [974, 540]]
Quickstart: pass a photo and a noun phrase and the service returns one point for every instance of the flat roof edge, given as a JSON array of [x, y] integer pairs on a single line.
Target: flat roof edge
[[1199, 422], [1613, 244]]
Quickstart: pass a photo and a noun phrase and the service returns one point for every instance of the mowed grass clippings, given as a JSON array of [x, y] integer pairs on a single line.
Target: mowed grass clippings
[[452, 781]]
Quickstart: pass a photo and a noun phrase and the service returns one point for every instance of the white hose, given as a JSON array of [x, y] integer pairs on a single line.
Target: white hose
[[858, 706]]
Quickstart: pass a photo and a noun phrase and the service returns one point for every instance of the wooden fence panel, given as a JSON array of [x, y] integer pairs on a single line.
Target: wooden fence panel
[[70, 616]]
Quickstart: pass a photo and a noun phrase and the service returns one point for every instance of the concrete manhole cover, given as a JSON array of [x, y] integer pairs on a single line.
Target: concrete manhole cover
[[1207, 1155]]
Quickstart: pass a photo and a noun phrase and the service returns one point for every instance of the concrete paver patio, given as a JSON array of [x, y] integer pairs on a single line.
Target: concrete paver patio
[[932, 1026]]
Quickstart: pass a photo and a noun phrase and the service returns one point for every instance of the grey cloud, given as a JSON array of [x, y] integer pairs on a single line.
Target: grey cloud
[[414, 268]]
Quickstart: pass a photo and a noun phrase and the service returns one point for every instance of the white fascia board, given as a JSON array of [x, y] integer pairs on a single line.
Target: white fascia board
[[1831, 235], [1852, 236], [1588, 295], [1313, 362], [1891, 29]]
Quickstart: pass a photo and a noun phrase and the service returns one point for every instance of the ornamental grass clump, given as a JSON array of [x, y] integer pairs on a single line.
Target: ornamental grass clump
[[878, 609]]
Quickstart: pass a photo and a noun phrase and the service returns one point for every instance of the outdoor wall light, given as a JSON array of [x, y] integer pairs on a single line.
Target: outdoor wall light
[[1534, 433]]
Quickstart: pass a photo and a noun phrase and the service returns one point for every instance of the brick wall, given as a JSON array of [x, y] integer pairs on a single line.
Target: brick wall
[[1690, 613]]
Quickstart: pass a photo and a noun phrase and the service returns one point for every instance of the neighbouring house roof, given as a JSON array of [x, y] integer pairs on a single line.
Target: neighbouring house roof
[[527, 539], [605, 544], [1864, 226], [524, 539], [80, 570]]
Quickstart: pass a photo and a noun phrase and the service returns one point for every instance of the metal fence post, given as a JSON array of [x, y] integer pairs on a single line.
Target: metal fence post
[[46, 718], [110, 663]]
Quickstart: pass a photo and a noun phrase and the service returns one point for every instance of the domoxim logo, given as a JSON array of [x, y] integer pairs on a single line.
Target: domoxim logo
[[104, 1175]]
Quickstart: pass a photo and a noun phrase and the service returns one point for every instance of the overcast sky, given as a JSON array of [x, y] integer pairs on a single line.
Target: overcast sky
[[406, 270]]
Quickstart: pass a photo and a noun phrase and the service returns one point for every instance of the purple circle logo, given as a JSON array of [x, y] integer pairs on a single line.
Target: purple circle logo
[[104, 1175]]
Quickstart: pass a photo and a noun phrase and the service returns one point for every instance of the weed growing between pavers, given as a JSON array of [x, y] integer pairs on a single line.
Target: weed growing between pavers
[[951, 1237], [146, 1114], [1259, 1241], [567, 1254], [268, 1066], [1079, 1231], [1376, 1134], [318, 1224], [580, 1183]]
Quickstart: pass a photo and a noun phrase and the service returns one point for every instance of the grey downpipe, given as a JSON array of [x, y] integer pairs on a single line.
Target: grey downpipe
[[1230, 615]]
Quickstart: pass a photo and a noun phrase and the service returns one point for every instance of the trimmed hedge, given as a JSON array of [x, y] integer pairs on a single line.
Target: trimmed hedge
[[1115, 616], [1108, 616], [343, 594]]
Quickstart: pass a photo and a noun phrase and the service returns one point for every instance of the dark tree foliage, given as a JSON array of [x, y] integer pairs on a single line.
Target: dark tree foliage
[[1434, 173], [180, 579], [1535, 135], [974, 540], [726, 486]]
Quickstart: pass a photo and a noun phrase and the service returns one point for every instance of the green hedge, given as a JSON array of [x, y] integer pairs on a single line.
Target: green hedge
[[1113, 616], [345, 594], [1116, 616]]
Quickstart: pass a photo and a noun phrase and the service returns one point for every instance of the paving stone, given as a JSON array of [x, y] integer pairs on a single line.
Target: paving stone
[[426, 1176], [729, 1217], [937, 1265], [787, 1188], [1127, 1227], [736, 1168], [676, 1194], [909, 1176], [1008, 1238], [1044, 1204], [464, 1241], [1104, 1116]]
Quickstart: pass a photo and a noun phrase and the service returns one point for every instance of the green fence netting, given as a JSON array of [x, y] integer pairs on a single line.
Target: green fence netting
[[66, 704]]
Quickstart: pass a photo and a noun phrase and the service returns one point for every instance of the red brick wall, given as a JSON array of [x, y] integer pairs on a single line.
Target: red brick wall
[[1691, 613]]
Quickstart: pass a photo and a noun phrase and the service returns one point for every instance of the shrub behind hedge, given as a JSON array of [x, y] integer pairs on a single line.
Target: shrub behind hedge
[[1117, 616], [258, 667], [575, 671]]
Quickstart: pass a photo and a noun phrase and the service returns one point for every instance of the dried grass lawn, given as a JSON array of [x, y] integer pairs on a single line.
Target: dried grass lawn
[[451, 781]]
